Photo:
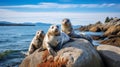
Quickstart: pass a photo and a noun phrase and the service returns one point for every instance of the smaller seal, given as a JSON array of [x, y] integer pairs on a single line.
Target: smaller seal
[[68, 29], [36, 42]]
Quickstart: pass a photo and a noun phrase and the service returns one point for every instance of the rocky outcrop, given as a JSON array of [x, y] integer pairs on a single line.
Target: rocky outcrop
[[84, 28], [92, 27], [95, 29], [113, 30], [110, 55], [77, 53], [112, 36], [112, 41], [98, 27]]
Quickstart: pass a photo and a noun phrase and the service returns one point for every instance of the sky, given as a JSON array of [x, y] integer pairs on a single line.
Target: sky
[[80, 12]]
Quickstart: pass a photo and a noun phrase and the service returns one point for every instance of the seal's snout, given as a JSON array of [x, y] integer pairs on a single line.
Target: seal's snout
[[56, 30], [42, 33], [65, 21]]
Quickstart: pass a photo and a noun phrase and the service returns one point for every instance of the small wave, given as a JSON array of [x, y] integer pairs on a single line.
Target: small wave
[[92, 33], [24, 53], [21, 35], [26, 40], [5, 53], [4, 40], [28, 35], [96, 43], [15, 36], [11, 58]]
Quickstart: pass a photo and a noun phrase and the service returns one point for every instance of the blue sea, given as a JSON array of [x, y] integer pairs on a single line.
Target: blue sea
[[16, 39]]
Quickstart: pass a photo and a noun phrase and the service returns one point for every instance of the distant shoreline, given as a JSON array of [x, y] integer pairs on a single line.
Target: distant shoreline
[[16, 25], [6, 23]]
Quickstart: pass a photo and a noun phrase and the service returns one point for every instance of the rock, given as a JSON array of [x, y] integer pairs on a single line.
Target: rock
[[118, 33], [85, 28], [95, 29], [110, 55], [112, 41], [114, 21], [26, 61], [105, 27], [97, 37], [99, 22], [78, 53], [113, 36], [98, 27], [113, 30]]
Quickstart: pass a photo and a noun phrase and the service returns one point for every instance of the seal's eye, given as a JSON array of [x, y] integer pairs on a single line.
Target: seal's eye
[[38, 32], [52, 27], [57, 26], [68, 20], [42, 32]]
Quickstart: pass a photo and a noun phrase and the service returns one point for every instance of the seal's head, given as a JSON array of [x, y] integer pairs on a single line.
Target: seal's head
[[66, 26], [54, 30], [40, 34], [66, 22]]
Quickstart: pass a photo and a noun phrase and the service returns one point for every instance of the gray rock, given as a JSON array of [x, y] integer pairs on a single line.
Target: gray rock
[[110, 55], [78, 53]]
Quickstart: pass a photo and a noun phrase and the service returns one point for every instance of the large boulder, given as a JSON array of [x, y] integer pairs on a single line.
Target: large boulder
[[77, 53], [110, 55]]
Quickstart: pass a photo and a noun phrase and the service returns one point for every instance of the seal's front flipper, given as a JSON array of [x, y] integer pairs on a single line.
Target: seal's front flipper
[[52, 52]]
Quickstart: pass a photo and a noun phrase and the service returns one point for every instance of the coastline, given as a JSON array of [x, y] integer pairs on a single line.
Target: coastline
[[111, 31]]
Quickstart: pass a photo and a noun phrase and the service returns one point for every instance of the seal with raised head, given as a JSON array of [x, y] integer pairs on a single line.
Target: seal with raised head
[[36, 42], [54, 40], [67, 28]]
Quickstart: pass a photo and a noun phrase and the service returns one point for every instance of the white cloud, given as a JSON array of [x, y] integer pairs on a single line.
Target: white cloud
[[53, 17], [57, 5], [97, 5]]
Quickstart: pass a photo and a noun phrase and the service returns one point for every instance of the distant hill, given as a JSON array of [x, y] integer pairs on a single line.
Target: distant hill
[[41, 24], [6, 23]]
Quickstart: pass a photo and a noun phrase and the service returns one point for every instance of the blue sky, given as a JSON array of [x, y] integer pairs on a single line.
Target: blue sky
[[80, 12]]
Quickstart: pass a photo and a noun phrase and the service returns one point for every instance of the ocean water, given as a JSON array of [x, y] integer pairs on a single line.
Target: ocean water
[[16, 39]]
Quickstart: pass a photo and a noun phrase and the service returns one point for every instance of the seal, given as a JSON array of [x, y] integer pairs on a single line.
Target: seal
[[67, 28], [54, 40], [36, 42]]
